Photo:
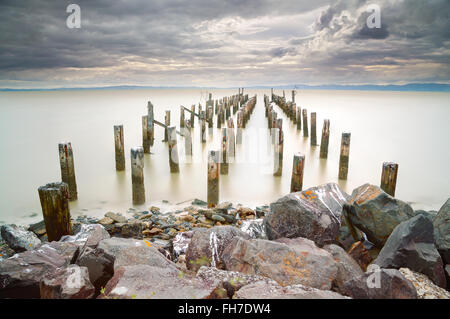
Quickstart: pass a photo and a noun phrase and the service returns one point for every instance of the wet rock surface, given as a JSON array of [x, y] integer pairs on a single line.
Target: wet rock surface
[[411, 245], [425, 288], [18, 238], [376, 213], [442, 231], [314, 214]]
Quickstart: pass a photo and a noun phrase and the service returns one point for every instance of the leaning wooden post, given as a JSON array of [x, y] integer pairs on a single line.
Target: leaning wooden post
[[192, 115], [279, 148], [305, 123], [68, 169], [325, 139], [213, 178], [54, 199], [224, 153], [119, 147], [150, 124], [345, 152], [145, 140], [167, 122], [389, 177], [137, 175], [313, 129], [181, 116], [173, 150], [297, 173], [299, 118]]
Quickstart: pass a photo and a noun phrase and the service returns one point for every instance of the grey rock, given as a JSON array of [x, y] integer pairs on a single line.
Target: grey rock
[[206, 246], [380, 284], [411, 245], [287, 261], [442, 231], [5, 251], [377, 213], [254, 228], [218, 218], [116, 217], [314, 214], [425, 288], [71, 282], [199, 202], [271, 290], [181, 243], [38, 228], [88, 234], [18, 238]]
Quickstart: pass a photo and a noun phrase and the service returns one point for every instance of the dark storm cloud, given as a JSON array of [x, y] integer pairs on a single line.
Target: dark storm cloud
[[178, 42]]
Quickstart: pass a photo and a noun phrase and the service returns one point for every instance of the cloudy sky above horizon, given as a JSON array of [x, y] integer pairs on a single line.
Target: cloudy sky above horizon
[[223, 43]]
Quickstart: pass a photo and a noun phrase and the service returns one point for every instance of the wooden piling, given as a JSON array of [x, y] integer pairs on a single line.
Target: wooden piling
[[297, 173], [145, 141], [293, 96], [305, 123], [389, 177], [299, 118], [344, 157], [274, 125], [167, 122], [239, 127], [150, 124], [279, 137], [325, 139], [68, 169], [119, 147], [224, 153], [192, 115], [313, 129], [137, 175], [173, 150], [181, 116], [203, 127], [231, 135], [213, 178], [187, 139], [54, 199]]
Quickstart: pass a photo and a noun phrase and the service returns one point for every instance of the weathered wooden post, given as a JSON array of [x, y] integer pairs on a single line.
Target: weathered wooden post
[[173, 150], [279, 148], [192, 115], [293, 96], [305, 123], [231, 135], [187, 139], [68, 169], [389, 177], [54, 199], [150, 124], [297, 173], [145, 140], [274, 124], [203, 127], [239, 127], [119, 147], [313, 129], [181, 116], [299, 118], [344, 158], [325, 139], [167, 122], [137, 175], [224, 153], [213, 178], [209, 115]]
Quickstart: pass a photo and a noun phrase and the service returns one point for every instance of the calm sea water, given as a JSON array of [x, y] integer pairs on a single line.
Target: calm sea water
[[410, 128]]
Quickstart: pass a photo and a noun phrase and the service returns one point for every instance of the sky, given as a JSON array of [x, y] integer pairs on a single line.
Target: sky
[[223, 43]]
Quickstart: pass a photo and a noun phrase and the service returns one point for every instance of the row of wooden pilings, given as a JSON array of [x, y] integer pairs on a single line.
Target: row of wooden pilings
[[297, 116], [55, 197]]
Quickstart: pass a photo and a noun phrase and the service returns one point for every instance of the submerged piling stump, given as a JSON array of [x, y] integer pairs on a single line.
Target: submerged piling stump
[[344, 157], [325, 139], [68, 169], [389, 177], [137, 175], [297, 173], [54, 199]]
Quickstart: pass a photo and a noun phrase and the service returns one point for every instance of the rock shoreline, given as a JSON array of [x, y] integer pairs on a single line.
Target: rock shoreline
[[318, 243]]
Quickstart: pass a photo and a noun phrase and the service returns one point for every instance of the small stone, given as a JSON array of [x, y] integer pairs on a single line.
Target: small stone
[[106, 221], [152, 232], [245, 211], [38, 228], [187, 218], [218, 218], [425, 288], [18, 238], [116, 217], [199, 202]]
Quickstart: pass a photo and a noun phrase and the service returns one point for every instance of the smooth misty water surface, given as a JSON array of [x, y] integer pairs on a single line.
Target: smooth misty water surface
[[409, 128]]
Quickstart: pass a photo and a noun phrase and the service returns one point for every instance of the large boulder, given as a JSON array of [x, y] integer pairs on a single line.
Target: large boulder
[[411, 245], [377, 213], [314, 214], [287, 261], [442, 231], [150, 282], [18, 238], [115, 252], [379, 284], [21, 274], [207, 245], [71, 282], [254, 228], [272, 290], [425, 288], [348, 268], [88, 234]]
